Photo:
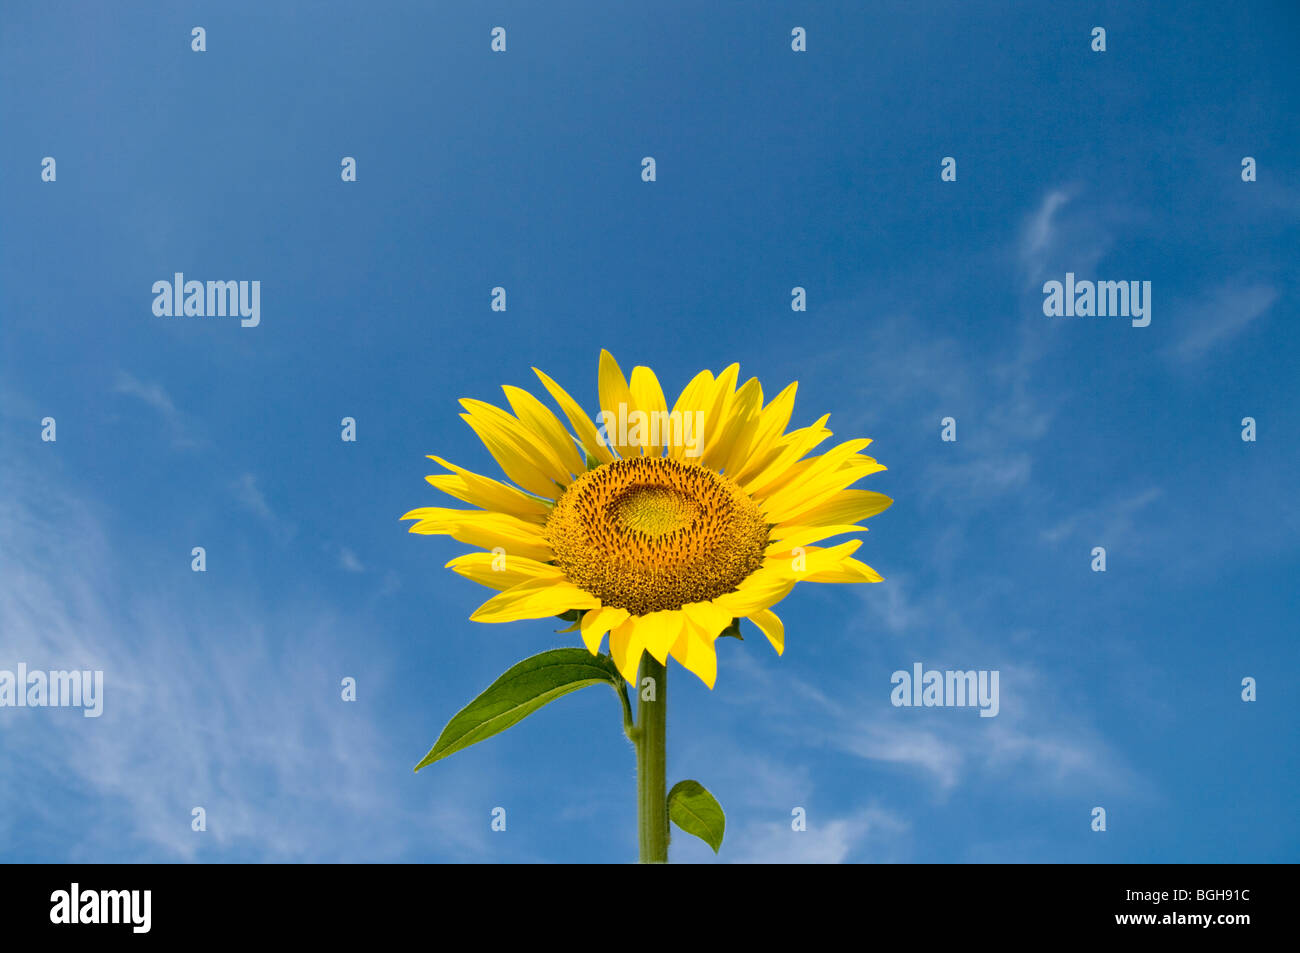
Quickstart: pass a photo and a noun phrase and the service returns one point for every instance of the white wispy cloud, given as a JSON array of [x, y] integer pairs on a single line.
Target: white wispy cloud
[[864, 836], [151, 394], [1065, 232], [1110, 523], [1038, 236], [1226, 312], [251, 497], [348, 561], [762, 790], [1038, 742], [208, 702], [155, 396]]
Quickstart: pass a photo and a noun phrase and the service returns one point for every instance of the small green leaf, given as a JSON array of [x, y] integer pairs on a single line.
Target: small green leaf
[[732, 631], [692, 808], [518, 693], [573, 616]]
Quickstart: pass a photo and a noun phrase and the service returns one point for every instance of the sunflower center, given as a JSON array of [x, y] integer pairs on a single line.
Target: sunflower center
[[654, 510], [650, 533]]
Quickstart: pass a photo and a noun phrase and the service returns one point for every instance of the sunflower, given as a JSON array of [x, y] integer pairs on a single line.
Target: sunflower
[[659, 528]]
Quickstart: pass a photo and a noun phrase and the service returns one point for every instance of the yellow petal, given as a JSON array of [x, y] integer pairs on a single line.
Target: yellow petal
[[849, 570], [762, 589], [788, 504], [614, 393], [813, 468], [485, 530], [695, 394], [534, 599], [487, 493], [739, 426], [648, 397], [846, 506], [690, 411], [659, 630], [596, 622], [824, 476], [797, 536], [516, 464], [772, 627], [717, 410], [695, 651], [501, 572], [768, 430], [512, 525], [786, 464], [708, 616], [531, 446], [537, 417], [625, 648], [815, 559], [579, 421]]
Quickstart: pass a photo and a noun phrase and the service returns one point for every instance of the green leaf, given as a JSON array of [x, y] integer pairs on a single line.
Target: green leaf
[[732, 631], [518, 693], [692, 808], [573, 616]]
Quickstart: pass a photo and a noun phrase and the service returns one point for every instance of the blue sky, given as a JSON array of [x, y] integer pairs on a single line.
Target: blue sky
[[774, 169]]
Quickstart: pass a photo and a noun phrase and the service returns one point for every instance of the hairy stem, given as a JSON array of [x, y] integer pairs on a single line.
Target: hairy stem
[[651, 767]]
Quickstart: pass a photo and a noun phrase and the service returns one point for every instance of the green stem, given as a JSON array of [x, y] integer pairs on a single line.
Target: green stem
[[629, 727], [651, 763]]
